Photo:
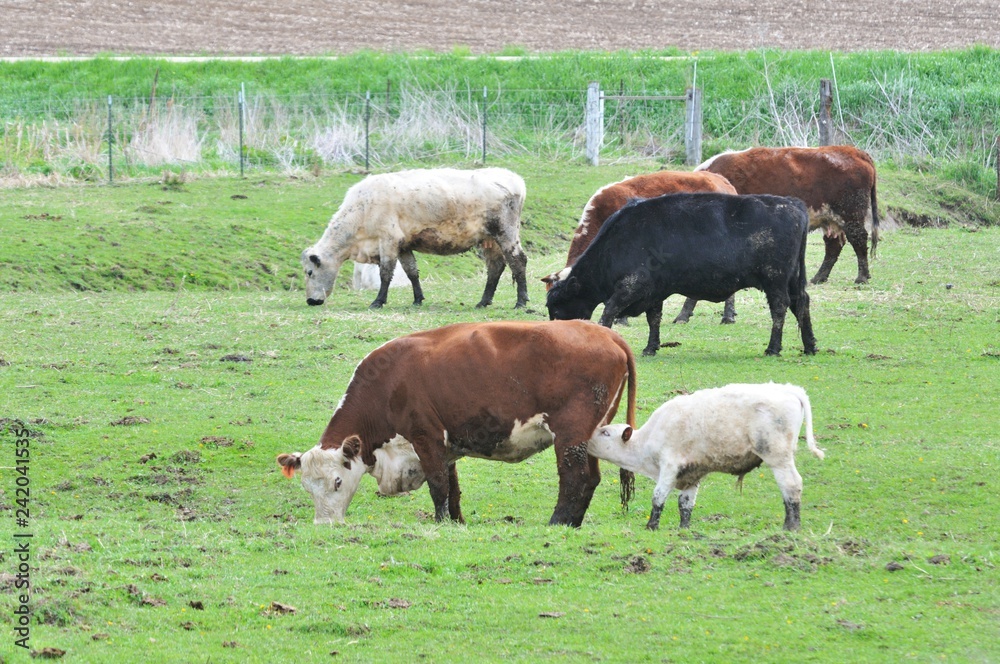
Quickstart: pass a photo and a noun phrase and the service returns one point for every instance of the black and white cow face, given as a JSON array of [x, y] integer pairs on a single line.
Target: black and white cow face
[[320, 275], [564, 301]]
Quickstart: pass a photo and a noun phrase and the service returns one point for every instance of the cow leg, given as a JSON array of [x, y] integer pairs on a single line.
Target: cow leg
[[653, 317], [800, 309], [518, 262], [508, 237], [834, 245], [579, 473], [664, 484], [858, 237], [685, 504], [454, 495], [729, 310], [790, 483], [621, 299], [494, 269], [686, 311], [778, 303], [439, 473], [409, 263], [386, 268]]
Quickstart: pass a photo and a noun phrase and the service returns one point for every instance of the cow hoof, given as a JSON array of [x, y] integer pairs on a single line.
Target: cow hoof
[[809, 351], [861, 280], [680, 320], [728, 321], [648, 352], [772, 353], [376, 305], [483, 304], [417, 303], [653, 525], [818, 280], [520, 304]]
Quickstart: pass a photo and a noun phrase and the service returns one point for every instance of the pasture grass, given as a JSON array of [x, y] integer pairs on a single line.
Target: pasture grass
[[180, 557]]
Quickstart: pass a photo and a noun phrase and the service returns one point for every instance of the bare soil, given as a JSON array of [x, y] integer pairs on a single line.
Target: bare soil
[[314, 27]]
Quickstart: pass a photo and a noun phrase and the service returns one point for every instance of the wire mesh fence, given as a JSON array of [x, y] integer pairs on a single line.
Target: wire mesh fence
[[73, 137]]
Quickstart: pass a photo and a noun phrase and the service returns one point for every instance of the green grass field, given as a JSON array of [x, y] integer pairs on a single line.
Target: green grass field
[[121, 305]]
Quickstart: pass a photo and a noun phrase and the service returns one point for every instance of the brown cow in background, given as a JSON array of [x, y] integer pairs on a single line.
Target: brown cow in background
[[837, 184], [613, 197]]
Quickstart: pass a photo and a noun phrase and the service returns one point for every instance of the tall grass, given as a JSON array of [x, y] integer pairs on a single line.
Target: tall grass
[[938, 111]]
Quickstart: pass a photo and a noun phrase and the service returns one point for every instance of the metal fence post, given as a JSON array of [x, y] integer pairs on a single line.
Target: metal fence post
[[111, 138], [368, 118], [594, 122], [692, 127], [240, 104], [825, 106], [484, 125]]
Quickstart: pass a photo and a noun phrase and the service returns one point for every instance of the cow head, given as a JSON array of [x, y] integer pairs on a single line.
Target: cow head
[[607, 441], [330, 476], [565, 301], [321, 271], [397, 468], [554, 278]]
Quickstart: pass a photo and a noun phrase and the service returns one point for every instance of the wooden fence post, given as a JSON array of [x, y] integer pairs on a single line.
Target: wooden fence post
[[594, 122], [825, 106], [692, 127], [996, 163]]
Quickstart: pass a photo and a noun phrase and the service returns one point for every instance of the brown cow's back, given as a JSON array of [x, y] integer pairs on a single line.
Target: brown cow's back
[[837, 183], [501, 390], [815, 175], [611, 198]]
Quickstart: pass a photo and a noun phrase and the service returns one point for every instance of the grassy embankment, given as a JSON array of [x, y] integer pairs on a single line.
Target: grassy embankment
[[929, 112], [119, 304]]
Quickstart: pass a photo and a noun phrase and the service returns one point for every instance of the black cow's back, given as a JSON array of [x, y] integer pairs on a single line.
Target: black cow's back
[[703, 246]]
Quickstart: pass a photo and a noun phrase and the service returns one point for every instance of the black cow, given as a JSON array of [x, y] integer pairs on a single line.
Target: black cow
[[703, 246]]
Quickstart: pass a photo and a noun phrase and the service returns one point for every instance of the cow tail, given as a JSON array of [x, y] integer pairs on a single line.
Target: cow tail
[[807, 420], [874, 220], [627, 477]]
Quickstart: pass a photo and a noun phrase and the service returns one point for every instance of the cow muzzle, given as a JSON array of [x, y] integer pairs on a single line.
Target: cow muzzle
[[312, 302]]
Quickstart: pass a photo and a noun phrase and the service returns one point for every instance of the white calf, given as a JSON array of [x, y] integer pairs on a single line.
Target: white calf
[[731, 429]]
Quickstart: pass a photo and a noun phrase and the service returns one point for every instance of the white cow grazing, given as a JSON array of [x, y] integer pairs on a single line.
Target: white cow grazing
[[325, 475], [731, 429], [387, 217]]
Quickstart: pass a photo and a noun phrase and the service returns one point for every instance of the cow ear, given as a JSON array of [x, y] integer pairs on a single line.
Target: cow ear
[[351, 447], [572, 285], [626, 434], [315, 259], [551, 279], [289, 464]]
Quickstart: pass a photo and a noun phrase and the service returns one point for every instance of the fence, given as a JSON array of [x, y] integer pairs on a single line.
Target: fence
[[111, 137]]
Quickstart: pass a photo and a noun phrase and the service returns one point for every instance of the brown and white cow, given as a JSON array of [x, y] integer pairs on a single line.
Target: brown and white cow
[[837, 184], [502, 391], [612, 197]]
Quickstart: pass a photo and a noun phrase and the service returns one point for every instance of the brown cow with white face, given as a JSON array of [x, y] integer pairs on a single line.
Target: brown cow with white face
[[837, 184], [612, 197], [502, 391]]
